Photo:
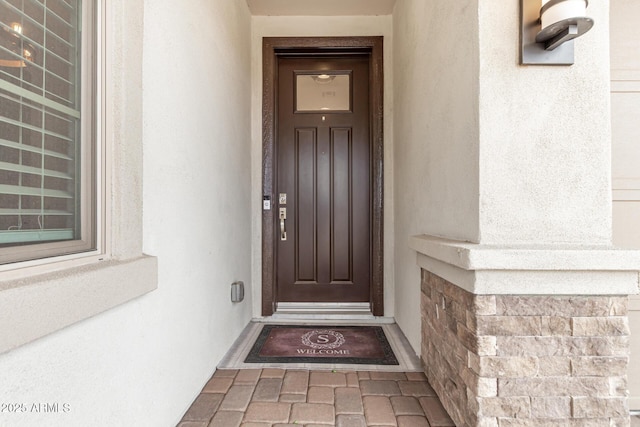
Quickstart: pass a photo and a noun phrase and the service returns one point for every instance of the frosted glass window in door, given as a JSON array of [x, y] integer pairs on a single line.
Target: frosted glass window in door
[[323, 92]]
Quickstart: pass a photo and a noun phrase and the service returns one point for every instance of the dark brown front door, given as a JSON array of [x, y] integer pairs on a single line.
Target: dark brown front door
[[323, 182]]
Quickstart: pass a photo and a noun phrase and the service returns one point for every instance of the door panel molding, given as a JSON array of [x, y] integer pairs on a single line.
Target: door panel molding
[[277, 46], [306, 221], [341, 197]]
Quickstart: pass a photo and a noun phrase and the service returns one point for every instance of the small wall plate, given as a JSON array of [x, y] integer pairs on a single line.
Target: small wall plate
[[237, 291]]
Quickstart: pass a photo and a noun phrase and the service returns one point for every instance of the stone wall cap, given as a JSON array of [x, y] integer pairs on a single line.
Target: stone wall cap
[[474, 256]]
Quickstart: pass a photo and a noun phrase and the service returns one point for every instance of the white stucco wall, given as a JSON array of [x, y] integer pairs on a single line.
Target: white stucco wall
[[545, 137], [489, 151], [197, 181], [435, 136], [311, 26], [144, 362]]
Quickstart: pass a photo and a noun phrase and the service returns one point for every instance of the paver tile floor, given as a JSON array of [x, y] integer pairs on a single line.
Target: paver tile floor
[[287, 397]]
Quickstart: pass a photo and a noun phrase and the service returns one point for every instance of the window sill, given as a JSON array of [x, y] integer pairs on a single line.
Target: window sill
[[65, 297]]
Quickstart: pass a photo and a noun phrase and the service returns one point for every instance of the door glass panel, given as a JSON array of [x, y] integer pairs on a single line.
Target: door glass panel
[[323, 92]]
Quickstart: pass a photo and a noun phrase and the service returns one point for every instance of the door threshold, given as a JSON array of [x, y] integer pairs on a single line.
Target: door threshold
[[323, 307], [323, 312], [324, 319]]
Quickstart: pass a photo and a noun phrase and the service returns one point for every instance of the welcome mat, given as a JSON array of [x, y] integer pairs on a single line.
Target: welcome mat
[[322, 344]]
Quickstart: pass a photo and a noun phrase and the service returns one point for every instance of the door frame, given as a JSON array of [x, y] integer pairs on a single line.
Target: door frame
[[272, 47]]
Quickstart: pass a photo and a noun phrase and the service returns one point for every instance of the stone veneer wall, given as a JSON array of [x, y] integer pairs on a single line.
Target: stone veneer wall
[[510, 361]]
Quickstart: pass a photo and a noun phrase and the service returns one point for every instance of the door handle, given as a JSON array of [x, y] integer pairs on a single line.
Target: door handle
[[283, 217]]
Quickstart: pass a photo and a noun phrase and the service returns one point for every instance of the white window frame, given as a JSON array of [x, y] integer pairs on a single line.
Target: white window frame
[[43, 296]]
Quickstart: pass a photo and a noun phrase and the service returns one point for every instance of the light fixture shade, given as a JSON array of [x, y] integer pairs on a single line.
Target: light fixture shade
[[568, 17]]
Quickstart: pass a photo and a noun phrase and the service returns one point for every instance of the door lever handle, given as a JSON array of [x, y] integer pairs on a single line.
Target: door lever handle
[[283, 217]]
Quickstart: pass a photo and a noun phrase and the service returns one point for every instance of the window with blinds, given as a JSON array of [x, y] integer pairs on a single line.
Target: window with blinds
[[46, 136]]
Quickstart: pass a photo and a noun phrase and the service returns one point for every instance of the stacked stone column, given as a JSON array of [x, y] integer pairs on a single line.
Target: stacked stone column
[[501, 360]]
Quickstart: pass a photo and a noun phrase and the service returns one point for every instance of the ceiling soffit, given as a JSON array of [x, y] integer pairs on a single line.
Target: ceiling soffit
[[320, 7]]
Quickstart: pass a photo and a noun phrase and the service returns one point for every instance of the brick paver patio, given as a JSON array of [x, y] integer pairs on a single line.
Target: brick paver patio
[[282, 398]]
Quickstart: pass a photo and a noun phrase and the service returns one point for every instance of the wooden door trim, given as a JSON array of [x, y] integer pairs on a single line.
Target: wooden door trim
[[271, 48]]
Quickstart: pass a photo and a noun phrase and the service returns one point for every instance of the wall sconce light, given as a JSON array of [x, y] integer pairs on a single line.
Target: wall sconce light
[[548, 28]]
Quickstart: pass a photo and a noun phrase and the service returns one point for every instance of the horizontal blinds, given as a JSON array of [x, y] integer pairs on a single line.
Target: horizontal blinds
[[32, 191], [34, 236], [40, 116]]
